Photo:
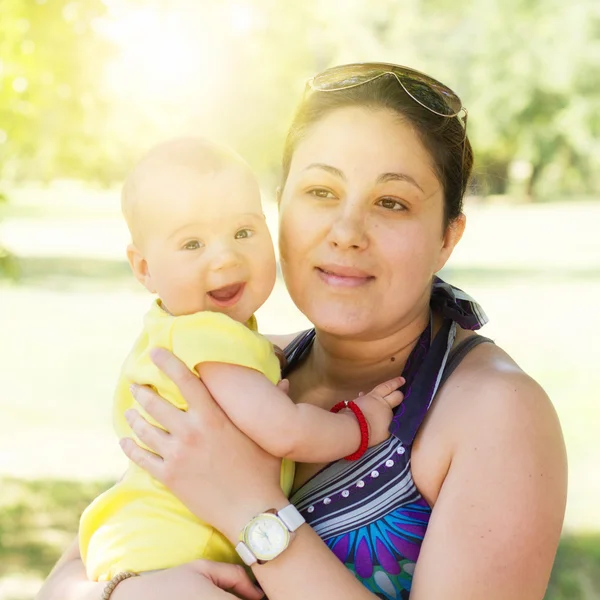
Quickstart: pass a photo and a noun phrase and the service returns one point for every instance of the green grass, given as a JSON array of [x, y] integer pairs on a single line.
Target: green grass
[[38, 519]]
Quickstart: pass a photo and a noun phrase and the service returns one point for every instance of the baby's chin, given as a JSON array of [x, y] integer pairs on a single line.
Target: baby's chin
[[241, 314], [242, 311]]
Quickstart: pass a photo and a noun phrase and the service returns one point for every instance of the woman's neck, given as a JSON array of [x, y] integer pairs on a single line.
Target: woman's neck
[[359, 365]]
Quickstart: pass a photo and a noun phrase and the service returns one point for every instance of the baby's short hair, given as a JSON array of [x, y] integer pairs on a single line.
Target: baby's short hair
[[199, 154]]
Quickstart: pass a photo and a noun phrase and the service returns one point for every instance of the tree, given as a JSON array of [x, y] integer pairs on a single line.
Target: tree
[[86, 86], [50, 108]]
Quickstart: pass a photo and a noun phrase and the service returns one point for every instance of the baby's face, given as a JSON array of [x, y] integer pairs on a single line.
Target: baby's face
[[205, 241]]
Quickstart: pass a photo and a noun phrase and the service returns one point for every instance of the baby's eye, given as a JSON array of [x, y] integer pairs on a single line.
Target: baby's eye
[[391, 204], [193, 245], [321, 193], [242, 234]]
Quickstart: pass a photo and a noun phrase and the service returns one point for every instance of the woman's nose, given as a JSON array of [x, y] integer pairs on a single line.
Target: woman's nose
[[348, 230]]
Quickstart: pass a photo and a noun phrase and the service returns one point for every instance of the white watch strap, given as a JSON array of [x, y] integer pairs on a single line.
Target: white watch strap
[[291, 517], [246, 554]]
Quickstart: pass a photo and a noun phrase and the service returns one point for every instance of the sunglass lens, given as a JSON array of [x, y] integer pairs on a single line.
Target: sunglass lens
[[339, 81], [427, 92], [435, 99]]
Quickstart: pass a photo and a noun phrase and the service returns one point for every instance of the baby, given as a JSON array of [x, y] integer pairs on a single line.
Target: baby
[[201, 244]]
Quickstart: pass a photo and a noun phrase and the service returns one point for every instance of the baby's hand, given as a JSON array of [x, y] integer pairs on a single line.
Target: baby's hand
[[377, 407]]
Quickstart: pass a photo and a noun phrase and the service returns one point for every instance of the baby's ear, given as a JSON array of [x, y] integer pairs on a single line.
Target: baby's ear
[[139, 266]]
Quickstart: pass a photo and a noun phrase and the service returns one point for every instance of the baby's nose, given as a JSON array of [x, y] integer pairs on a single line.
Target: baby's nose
[[225, 259]]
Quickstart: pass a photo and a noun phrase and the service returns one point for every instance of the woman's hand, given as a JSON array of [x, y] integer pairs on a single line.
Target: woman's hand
[[198, 579], [222, 476]]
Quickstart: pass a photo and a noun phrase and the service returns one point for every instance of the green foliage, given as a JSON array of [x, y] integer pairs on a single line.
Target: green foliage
[[50, 108], [528, 70], [576, 574], [9, 265]]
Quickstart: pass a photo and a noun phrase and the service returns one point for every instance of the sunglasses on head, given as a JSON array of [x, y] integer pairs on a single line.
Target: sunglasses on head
[[428, 92]]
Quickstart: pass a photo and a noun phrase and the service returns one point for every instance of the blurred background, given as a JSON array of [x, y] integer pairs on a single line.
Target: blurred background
[[87, 86]]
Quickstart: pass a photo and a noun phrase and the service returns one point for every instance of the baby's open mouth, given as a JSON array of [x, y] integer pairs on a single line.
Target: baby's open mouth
[[228, 295]]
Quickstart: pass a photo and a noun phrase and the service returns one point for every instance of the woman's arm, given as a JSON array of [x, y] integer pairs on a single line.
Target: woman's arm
[[226, 479], [496, 523], [67, 580], [199, 579]]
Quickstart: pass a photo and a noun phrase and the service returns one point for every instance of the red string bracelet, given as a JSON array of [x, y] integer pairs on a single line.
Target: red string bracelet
[[362, 423]]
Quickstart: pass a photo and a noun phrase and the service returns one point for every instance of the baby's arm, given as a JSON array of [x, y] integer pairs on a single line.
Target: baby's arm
[[299, 432]]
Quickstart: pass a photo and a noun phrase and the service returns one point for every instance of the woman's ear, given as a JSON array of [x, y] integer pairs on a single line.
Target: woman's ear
[[139, 266], [452, 235]]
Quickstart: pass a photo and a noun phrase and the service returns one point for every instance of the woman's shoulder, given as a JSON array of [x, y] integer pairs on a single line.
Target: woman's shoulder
[[488, 408], [489, 380], [490, 397]]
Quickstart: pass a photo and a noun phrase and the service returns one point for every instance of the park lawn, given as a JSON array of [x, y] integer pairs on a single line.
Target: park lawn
[[38, 519], [68, 323]]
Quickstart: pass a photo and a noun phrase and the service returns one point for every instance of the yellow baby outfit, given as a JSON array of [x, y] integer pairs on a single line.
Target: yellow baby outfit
[[138, 525]]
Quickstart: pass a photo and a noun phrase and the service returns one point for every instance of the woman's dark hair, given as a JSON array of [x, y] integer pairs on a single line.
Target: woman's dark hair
[[443, 137]]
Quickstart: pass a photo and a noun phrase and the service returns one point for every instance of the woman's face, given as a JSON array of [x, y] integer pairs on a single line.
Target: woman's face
[[361, 224]]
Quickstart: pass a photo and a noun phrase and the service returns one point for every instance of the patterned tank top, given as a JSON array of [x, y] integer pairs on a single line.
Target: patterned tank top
[[369, 512]]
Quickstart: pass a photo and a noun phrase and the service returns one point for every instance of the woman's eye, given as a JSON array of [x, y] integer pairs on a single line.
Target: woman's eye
[[321, 193], [242, 234], [390, 204], [193, 245]]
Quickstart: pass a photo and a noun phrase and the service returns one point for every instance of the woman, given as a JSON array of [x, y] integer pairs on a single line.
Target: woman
[[466, 498]]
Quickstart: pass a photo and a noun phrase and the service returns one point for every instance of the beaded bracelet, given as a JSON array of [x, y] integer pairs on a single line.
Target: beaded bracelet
[[114, 582], [362, 423]]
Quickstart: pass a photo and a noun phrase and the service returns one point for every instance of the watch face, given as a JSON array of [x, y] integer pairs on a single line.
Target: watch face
[[267, 536]]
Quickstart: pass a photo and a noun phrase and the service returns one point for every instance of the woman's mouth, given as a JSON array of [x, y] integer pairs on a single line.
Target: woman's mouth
[[340, 276], [228, 295]]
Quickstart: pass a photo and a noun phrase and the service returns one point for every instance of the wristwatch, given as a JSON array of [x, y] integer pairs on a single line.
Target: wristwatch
[[268, 534]]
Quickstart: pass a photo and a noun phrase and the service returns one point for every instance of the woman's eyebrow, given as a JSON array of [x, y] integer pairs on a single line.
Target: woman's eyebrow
[[328, 168], [385, 177]]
